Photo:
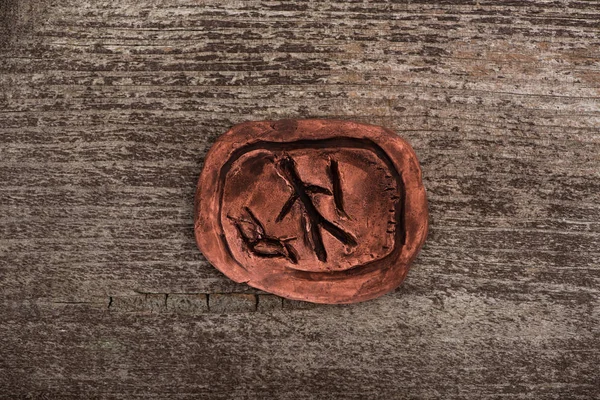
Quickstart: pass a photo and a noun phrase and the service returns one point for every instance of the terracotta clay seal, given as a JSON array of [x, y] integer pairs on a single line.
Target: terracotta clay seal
[[316, 210]]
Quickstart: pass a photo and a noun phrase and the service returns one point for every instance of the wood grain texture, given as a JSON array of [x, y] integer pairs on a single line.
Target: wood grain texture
[[107, 110]]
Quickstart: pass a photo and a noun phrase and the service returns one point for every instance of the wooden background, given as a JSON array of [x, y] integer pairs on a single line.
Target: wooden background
[[107, 109]]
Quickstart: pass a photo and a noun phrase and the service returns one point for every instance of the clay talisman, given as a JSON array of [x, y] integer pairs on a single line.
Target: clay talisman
[[316, 210]]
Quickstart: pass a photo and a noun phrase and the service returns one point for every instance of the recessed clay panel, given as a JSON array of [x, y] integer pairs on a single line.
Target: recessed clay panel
[[323, 211]]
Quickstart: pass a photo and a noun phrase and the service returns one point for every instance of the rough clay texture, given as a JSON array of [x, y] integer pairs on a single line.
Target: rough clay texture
[[107, 110]]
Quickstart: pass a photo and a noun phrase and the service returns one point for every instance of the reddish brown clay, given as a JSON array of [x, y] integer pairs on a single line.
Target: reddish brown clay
[[315, 210]]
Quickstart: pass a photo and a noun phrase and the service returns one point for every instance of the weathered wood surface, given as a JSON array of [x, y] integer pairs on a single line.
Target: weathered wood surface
[[108, 108]]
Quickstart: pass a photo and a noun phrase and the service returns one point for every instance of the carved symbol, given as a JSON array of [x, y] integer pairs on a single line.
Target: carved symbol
[[313, 220], [259, 243]]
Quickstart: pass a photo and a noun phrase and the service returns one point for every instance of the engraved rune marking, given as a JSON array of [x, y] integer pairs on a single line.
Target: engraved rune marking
[[259, 243], [333, 171], [313, 220]]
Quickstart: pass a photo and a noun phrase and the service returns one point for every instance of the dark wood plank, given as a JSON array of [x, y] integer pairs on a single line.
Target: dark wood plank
[[108, 109]]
